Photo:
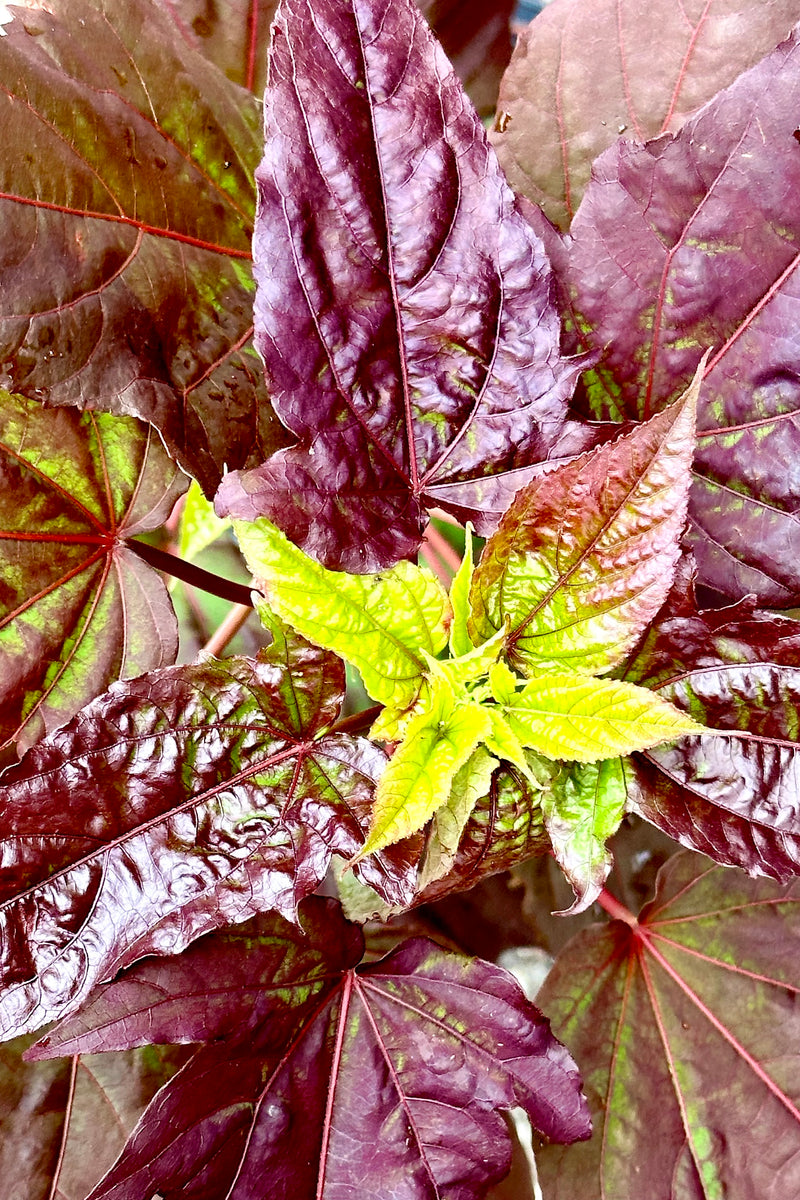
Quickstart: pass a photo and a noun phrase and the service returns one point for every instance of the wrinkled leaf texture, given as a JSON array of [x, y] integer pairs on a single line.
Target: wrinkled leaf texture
[[686, 1028], [586, 71], [234, 34], [734, 796], [688, 244], [63, 1122], [585, 555], [78, 608], [126, 209], [188, 799], [330, 1081], [403, 309]]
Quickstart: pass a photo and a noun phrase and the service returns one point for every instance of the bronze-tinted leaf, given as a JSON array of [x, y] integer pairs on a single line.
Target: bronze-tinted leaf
[[404, 308], [586, 72], [126, 209], [78, 608], [687, 1028]]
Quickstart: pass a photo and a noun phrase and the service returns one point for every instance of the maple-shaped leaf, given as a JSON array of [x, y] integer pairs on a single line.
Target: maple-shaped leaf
[[330, 1079], [686, 1027], [187, 799], [126, 209], [732, 795], [586, 72], [690, 243], [64, 1121], [585, 555], [403, 311], [234, 34], [78, 607]]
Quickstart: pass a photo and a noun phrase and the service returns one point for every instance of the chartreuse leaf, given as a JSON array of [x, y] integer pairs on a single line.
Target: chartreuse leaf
[[566, 716], [460, 641], [439, 740], [686, 1024], [585, 555], [379, 623], [200, 525], [581, 810]]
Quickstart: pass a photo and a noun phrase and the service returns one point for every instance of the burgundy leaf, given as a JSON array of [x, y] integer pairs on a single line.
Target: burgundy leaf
[[403, 308], [586, 71], [188, 799], [234, 34], [78, 608], [733, 795], [686, 1026], [126, 208], [388, 1083], [62, 1123], [690, 244]]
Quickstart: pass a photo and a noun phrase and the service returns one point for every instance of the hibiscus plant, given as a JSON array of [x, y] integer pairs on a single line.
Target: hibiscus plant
[[484, 430]]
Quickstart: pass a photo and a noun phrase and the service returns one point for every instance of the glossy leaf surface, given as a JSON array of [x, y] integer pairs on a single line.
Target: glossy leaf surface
[[403, 310], [735, 795], [690, 244], [584, 557], [126, 208], [582, 810], [587, 71], [78, 608], [686, 1027], [64, 1122], [379, 623], [343, 1076], [191, 798], [568, 716]]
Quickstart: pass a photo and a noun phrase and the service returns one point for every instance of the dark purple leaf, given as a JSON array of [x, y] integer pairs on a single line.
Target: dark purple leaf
[[234, 34], [733, 795], [689, 244], [78, 608], [126, 208], [191, 798], [586, 71], [403, 308], [387, 1082], [686, 1027]]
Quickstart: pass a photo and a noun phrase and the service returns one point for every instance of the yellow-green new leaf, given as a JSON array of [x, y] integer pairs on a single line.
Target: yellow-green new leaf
[[460, 641], [200, 525], [379, 623], [581, 810], [577, 717], [417, 781]]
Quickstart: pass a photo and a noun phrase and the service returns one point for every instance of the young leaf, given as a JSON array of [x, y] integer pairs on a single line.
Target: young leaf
[[438, 741], [190, 798], [403, 309], [126, 207], [690, 243], [379, 623], [64, 1122], [686, 1025], [460, 641], [584, 557], [355, 1083], [566, 716], [581, 810], [585, 72], [78, 608], [200, 526], [733, 795]]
